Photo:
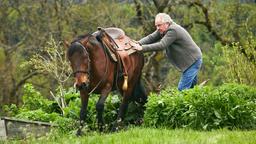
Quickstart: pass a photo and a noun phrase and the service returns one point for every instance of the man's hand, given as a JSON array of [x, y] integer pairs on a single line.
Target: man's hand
[[137, 47]]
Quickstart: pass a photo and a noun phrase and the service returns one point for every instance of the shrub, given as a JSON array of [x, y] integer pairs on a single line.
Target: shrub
[[230, 106], [36, 107], [38, 115], [33, 100], [10, 110], [241, 62]]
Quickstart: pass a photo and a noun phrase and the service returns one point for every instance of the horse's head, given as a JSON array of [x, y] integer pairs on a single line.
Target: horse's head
[[80, 61]]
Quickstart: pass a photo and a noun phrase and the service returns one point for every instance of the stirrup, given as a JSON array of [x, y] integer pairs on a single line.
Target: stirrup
[[125, 84]]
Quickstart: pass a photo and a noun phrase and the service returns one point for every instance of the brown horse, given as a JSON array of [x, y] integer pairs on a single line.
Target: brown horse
[[95, 72]]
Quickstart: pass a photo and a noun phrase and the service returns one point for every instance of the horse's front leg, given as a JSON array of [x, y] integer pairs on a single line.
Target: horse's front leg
[[100, 110], [84, 100]]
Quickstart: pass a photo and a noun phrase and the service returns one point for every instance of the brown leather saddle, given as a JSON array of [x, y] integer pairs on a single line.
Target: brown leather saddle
[[122, 43], [119, 47]]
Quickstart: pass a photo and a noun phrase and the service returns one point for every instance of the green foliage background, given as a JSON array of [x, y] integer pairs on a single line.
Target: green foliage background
[[224, 30]]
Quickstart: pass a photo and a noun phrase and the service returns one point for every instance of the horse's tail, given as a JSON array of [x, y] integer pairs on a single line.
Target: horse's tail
[[139, 93]]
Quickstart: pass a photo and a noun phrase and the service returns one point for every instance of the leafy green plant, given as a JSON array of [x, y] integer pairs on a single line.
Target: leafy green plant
[[230, 106], [66, 125], [36, 107], [33, 100], [38, 115], [10, 110]]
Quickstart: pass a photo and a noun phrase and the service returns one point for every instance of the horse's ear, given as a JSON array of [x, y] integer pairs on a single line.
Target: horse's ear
[[66, 44]]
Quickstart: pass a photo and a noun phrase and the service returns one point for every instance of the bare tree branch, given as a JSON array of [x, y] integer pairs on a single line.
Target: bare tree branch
[[208, 23]]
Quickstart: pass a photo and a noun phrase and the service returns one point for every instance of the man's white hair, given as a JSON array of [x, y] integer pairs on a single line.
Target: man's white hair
[[165, 18]]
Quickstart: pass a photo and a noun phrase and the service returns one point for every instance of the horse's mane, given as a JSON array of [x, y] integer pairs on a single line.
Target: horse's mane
[[80, 37], [76, 47]]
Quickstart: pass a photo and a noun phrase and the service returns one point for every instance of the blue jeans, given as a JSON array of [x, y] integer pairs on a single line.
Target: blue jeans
[[189, 76]]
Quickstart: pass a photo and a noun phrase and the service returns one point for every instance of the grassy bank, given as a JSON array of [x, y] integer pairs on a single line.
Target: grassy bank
[[150, 136]]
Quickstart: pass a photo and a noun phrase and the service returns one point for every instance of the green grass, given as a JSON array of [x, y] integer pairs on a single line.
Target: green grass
[[150, 136]]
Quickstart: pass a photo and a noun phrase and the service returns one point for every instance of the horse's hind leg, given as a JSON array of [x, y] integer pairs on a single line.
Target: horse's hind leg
[[122, 110], [100, 109], [84, 100], [139, 93]]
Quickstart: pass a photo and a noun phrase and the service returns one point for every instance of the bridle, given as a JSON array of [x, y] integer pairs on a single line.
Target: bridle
[[80, 71], [89, 68], [88, 59]]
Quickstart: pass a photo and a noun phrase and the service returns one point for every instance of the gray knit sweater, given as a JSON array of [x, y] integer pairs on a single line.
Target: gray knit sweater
[[181, 50]]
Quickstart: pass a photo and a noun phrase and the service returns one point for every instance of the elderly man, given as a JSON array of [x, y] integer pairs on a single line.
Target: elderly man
[[180, 48]]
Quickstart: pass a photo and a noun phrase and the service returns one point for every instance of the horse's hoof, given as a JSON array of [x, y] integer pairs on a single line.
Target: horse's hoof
[[79, 132], [115, 129], [101, 129], [139, 121]]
